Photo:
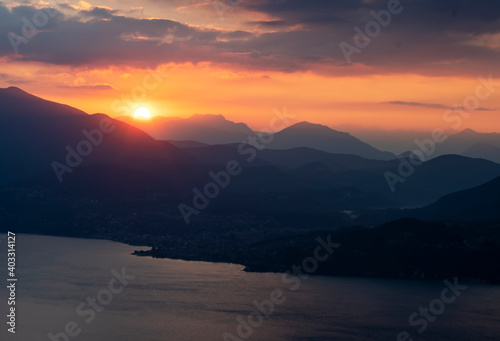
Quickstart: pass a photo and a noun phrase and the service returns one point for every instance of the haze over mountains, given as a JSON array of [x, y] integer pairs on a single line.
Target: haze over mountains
[[116, 181], [215, 129], [200, 130], [304, 156], [209, 129]]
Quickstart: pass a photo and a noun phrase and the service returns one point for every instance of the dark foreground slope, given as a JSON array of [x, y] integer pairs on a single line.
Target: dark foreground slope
[[35, 133]]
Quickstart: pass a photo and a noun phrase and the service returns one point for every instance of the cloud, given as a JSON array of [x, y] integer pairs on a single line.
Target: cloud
[[18, 81], [12, 80], [430, 37], [434, 106], [88, 87], [269, 23], [99, 13], [417, 104]]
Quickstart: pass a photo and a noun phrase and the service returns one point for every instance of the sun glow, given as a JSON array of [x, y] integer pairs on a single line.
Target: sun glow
[[142, 113]]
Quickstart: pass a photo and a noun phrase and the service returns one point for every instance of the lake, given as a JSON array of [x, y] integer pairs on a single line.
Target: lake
[[186, 301]]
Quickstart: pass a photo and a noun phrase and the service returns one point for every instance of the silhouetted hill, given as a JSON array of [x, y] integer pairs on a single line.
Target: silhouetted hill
[[187, 144], [409, 248], [219, 155], [297, 157], [430, 181], [36, 133], [17, 104], [480, 203], [320, 137], [286, 158]]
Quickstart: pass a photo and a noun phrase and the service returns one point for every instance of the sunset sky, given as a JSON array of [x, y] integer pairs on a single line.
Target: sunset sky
[[245, 58]]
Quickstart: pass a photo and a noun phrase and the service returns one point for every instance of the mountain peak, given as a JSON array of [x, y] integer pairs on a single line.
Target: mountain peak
[[304, 125], [14, 91], [321, 137], [218, 117], [15, 101]]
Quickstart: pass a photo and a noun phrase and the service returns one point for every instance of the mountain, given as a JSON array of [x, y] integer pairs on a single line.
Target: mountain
[[18, 104], [208, 129], [320, 137], [409, 248], [483, 151], [40, 136], [463, 141], [187, 144], [298, 157], [428, 182], [39, 133], [479, 203], [286, 158]]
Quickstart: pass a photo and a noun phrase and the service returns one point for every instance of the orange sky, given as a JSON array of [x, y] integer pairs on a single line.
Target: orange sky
[[240, 95]]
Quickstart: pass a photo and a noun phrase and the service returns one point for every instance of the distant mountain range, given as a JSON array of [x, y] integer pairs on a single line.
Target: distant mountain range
[[215, 129], [303, 157], [200, 130], [472, 144], [433, 179], [120, 183], [320, 137], [207, 129], [479, 203]]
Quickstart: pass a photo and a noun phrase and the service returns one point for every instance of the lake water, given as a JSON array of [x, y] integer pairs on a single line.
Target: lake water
[[187, 301]]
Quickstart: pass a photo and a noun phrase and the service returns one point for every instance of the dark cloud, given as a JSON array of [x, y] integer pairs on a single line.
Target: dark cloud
[[99, 13], [430, 15], [431, 37], [67, 7], [270, 23], [428, 36]]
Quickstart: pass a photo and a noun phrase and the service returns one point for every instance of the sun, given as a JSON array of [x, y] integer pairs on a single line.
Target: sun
[[142, 113]]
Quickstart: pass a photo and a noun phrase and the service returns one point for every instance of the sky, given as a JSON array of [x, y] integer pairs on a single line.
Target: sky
[[370, 64]]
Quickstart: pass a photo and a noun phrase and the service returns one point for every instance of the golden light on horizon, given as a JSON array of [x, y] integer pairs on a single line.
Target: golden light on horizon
[[142, 113]]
